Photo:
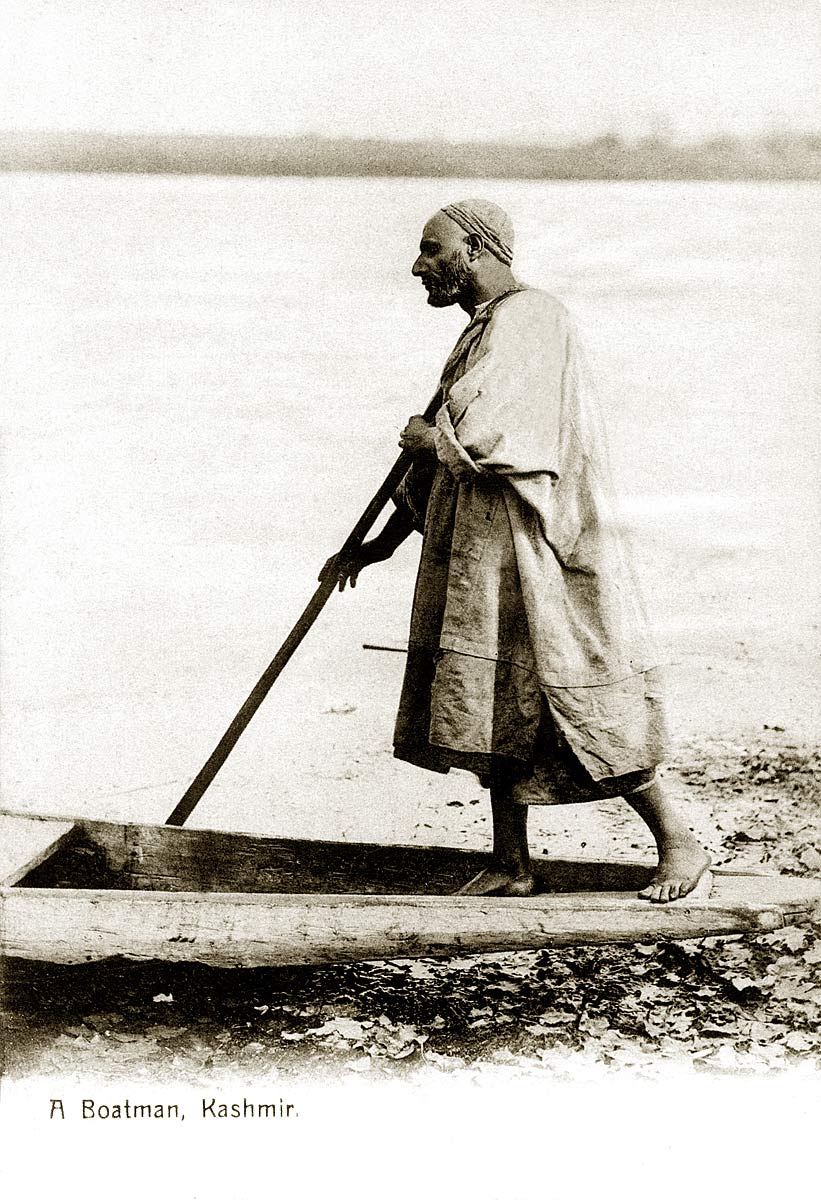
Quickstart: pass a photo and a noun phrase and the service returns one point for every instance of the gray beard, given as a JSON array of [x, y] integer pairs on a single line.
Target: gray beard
[[452, 283]]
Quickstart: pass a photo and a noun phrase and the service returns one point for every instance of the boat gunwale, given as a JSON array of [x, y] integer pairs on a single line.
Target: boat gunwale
[[545, 901]]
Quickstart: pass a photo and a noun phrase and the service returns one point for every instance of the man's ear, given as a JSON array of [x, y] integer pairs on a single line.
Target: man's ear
[[475, 246]]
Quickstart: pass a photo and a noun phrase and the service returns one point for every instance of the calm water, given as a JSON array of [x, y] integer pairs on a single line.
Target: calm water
[[204, 383]]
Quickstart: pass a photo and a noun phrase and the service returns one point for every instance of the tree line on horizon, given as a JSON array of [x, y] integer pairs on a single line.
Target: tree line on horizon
[[774, 156]]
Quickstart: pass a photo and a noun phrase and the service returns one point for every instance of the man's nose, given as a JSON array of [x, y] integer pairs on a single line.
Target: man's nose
[[416, 268]]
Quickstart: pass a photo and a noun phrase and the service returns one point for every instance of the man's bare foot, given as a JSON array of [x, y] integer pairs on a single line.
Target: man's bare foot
[[493, 882], [681, 866]]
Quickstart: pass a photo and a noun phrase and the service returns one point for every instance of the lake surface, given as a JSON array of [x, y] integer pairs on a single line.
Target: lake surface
[[204, 383]]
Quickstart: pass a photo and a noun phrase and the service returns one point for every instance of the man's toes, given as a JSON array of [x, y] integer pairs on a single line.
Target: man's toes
[[486, 883], [474, 886], [651, 893], [663, 893]]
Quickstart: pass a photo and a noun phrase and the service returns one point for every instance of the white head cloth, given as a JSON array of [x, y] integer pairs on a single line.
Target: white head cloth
[[490, 222]]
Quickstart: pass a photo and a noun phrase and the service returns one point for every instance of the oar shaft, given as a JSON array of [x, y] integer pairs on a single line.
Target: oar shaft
[[233, 733], [229, 739]]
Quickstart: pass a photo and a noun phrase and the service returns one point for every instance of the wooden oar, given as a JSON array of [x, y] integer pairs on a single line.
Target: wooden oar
[[229, 739]]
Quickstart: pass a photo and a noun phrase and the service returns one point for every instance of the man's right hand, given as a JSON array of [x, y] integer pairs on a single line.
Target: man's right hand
[[417, 437]]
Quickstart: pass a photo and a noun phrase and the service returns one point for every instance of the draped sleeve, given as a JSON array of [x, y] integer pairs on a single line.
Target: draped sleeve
[[511, 415], [503, 415]]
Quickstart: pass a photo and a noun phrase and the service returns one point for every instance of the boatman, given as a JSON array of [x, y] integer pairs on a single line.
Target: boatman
[[528, 661]]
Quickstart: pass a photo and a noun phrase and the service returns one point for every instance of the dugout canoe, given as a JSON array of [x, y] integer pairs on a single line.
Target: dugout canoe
[[75, 891]]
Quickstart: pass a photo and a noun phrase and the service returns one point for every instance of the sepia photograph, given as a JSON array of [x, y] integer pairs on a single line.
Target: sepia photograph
[[409, 598]]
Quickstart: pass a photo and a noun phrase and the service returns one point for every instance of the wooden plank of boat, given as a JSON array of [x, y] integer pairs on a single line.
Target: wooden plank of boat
[[231, 930], [25, 842], [146, 892]]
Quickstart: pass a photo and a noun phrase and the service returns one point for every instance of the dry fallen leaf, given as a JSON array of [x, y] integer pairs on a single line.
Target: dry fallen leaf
[[798, 1041]]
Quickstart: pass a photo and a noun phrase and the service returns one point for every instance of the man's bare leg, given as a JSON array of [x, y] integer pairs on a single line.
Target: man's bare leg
[[682, 860], [510, 873]]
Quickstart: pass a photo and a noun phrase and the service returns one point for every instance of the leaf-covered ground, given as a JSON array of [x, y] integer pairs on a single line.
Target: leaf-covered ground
[[720, 1003]]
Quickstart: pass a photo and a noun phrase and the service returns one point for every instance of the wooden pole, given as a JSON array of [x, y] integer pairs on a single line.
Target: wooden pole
[[229, 739]]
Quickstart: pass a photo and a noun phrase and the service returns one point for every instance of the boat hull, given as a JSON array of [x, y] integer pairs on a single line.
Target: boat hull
[[85, 891]]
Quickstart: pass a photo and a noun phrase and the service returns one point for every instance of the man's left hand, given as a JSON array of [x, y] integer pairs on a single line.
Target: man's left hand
[[417, 437]]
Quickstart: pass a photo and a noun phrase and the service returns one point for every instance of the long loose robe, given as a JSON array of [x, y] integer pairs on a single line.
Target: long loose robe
[[528, 640]]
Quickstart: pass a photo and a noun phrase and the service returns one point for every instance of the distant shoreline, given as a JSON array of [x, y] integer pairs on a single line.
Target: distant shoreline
[[772, 157]]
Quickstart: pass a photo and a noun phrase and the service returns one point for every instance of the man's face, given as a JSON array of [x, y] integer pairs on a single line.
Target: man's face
[[442, 264]]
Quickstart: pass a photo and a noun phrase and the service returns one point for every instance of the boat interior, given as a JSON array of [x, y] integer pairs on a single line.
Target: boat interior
[[99, 855]]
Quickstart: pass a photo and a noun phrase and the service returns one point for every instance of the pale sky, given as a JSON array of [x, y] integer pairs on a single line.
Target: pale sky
[[455, 69]]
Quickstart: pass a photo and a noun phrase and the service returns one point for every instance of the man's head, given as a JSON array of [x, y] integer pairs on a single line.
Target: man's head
[[465, 253]]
